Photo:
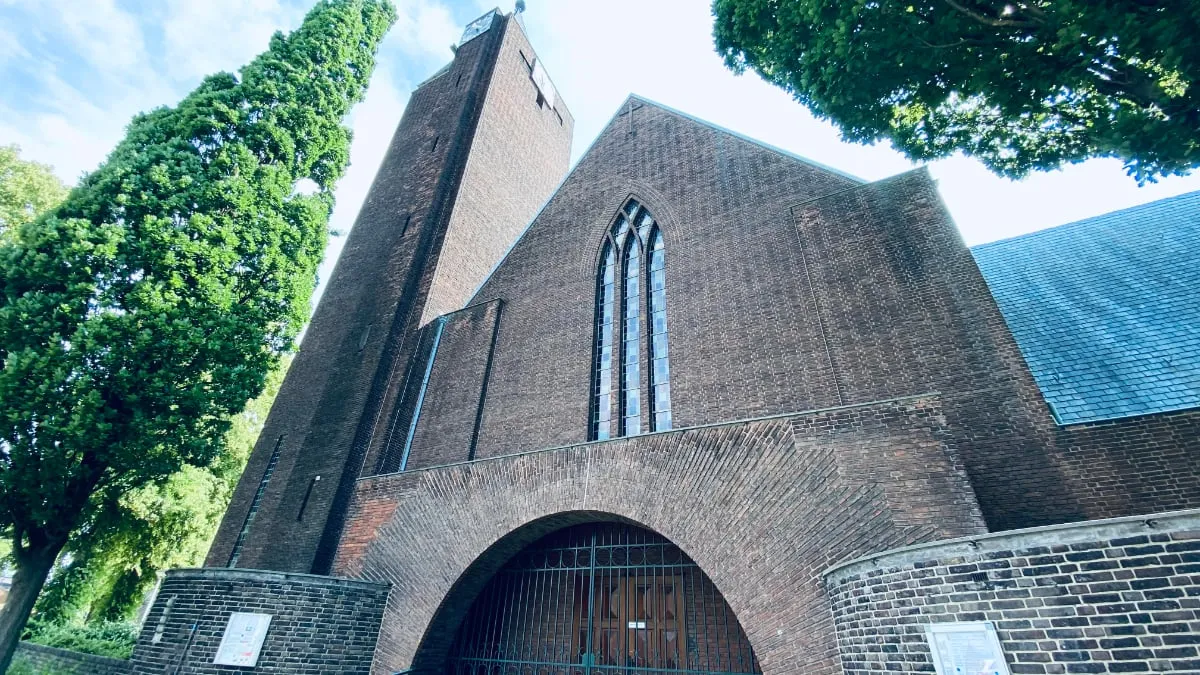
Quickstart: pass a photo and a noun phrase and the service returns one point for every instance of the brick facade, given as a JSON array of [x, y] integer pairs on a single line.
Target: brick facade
[[761, 506], [470, 131], [1117, 596], [43, 660], [789, 287], [319, 624]]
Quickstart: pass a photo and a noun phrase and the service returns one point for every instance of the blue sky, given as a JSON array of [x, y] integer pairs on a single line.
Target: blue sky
[[72, 73]]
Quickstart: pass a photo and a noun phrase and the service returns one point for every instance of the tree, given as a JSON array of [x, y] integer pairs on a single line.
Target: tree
[[26, 190], [1018, 85], [161, 525], [146, 309]]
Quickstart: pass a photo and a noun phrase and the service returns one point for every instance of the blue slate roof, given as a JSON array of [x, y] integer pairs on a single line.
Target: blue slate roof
[[1107, 310]]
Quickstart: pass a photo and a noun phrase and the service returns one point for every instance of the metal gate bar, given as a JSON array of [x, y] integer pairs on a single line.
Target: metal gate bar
[[601, 599]]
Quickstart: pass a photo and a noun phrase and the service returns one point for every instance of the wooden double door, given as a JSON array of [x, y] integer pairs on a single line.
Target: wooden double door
[[637, 622]]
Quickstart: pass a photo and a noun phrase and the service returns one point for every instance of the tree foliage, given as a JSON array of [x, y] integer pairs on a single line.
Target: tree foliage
[[26, 190], [106, 572], [1018, 85], [146, 309]]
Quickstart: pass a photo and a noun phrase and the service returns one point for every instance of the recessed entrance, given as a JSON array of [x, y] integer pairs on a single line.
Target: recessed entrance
[[601, 598]]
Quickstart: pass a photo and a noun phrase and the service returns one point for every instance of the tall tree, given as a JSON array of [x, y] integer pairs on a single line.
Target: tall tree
[[1019, 85], [26, 190], [165, 524], [150, 306]]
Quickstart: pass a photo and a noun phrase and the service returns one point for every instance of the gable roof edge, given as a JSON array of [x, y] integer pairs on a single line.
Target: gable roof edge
[[537, 214], [749, 139]]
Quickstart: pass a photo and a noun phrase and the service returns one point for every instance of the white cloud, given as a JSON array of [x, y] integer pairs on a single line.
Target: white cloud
[[106, 36], [201, 38], [425, 29]]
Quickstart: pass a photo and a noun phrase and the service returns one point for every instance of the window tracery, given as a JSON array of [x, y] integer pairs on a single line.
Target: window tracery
[[633, 253]]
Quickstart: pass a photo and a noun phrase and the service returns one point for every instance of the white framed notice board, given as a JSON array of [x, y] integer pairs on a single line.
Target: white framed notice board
[[243, 639], [966, 648]]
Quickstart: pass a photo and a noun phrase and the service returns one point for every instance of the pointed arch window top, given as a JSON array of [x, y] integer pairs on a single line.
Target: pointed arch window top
[[631, 391]]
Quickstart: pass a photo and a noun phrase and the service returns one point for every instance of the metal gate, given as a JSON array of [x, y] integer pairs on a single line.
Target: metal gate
[[601, 599]]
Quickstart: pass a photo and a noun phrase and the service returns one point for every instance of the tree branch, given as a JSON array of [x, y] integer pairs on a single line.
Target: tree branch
[[986, 20]]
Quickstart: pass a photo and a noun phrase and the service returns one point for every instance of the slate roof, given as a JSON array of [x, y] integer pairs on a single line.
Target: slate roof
[[1107, 310]]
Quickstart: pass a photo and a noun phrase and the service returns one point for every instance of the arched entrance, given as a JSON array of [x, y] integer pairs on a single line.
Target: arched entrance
[[600, 598]]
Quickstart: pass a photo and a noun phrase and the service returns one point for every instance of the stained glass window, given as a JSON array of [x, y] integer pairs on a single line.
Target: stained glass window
[[633, 253], [660, 373], [631, 342], [602, 394]]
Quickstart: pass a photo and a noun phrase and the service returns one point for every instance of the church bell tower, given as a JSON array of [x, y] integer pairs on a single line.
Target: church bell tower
[[481, 145]]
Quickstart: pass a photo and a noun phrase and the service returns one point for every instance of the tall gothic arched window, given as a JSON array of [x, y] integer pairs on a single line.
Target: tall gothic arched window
[[633, 253]]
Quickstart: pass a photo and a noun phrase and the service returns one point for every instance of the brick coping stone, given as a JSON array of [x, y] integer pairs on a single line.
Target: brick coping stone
[[1048, 535], [240, 574]]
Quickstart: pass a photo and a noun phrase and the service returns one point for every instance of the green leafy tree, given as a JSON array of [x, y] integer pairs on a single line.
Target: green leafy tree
[[108, 570], [26, 190], [146, 309], [1018, 85]]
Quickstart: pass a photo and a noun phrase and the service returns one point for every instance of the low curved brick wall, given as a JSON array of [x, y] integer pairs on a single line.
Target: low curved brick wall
[[1108, 596], [53, 661], [319, 624]]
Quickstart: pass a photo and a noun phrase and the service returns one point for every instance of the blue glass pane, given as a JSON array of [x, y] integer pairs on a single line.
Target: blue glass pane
[[602, 432], [658, 280], [661, 371], [631, 207], [633, 426], [662, 397], [662, 420], [659, 324]]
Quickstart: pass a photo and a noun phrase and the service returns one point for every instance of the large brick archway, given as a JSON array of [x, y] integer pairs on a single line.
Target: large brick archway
[[762, 506]]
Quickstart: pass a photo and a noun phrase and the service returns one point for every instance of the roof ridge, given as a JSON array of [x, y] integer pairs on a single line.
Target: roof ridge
[[1092, 219]]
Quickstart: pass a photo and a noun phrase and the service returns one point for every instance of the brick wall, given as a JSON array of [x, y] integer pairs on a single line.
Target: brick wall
[[791, 287], [1115, 596], [1134, 465], [43, 660], [319, 624], [761, 506], [334, 408], [519, 154]]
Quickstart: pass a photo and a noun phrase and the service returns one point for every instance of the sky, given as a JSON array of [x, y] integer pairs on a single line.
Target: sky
[[73, 72]]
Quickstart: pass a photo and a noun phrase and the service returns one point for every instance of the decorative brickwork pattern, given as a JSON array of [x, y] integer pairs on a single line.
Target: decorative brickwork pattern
[[319, 625], [1117, 596], [761, 506], [44, 660]]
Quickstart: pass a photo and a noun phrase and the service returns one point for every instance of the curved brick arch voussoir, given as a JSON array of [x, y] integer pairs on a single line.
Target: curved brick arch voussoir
[[763, 507]]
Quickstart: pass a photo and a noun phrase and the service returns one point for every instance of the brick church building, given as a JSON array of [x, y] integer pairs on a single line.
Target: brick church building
[[698, 405]]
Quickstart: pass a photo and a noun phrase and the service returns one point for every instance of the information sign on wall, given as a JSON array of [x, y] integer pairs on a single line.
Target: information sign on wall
[[243, 639], [966, 648]]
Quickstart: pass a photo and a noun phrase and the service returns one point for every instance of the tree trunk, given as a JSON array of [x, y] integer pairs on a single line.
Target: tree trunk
[[32, 569]]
